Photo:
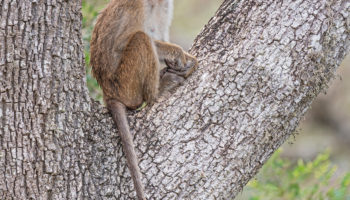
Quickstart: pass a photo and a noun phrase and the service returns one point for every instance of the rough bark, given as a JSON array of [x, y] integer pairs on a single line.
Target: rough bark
[[262, 62]]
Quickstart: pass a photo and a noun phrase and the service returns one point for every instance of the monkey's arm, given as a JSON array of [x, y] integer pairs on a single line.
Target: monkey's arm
[[178, 61]]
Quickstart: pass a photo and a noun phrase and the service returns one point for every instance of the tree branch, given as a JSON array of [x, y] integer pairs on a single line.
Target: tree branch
[[261, 65]]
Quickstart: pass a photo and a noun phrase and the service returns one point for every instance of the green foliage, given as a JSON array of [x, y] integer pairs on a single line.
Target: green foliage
[[280, 179], [90, 10]]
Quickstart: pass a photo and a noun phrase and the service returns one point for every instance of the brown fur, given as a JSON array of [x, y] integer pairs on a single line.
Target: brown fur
[[125, 62]]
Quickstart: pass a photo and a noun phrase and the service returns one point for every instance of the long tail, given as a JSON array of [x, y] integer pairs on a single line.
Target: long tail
[[117, 110]]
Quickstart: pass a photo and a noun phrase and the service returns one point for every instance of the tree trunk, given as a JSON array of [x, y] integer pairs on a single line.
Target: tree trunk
[[261, 65]]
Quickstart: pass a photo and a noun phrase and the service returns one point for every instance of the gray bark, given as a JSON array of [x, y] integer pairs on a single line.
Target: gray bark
[[262, 62]]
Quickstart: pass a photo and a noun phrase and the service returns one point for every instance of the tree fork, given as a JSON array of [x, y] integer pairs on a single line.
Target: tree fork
[[261, 65]]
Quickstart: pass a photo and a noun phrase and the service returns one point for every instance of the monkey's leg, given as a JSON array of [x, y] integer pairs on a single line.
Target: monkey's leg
[[169, 81], [146, 61], [137, 77]]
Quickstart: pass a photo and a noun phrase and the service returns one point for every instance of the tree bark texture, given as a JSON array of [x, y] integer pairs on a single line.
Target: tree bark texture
[[262, 62]]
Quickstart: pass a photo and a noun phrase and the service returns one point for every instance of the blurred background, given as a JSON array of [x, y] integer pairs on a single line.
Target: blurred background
[[313, 162]]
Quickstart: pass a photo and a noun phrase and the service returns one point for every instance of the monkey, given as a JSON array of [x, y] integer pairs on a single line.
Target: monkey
[[127, 45]]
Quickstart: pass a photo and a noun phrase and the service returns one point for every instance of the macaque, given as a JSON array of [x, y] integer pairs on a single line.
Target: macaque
[[128, 44]]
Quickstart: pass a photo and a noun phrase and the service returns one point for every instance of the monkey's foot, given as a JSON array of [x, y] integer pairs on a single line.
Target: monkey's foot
[[184, 72]]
